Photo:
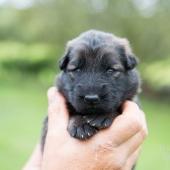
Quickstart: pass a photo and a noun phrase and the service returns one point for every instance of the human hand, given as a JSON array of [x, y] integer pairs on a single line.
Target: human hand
[[113, 148]]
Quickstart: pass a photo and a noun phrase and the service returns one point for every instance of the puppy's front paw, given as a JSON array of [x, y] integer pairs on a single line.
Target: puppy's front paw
[[99, 121], [79, 129]]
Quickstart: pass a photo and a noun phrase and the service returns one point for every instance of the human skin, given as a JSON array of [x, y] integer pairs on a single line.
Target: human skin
[[114, 148]]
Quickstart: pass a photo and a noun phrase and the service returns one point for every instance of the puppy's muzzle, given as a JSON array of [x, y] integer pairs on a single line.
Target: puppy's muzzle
[[91, 95]]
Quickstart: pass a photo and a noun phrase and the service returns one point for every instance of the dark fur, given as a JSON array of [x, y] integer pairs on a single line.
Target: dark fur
[[96, 64]]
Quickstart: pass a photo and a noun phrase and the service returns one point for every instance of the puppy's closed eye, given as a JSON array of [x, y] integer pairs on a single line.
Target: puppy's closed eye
[[71, 67], [114, 70], [117, 67]]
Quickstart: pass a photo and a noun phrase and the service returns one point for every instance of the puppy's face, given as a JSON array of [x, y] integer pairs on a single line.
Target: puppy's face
[[97, 76]]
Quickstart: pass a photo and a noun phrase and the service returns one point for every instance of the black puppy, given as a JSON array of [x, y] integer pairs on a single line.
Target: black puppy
[[98, 75]]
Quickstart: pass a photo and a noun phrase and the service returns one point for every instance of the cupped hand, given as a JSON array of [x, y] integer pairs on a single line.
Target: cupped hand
[[116, 147]]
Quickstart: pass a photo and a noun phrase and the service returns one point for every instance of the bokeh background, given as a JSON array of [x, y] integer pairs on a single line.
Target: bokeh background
[[33, 34]]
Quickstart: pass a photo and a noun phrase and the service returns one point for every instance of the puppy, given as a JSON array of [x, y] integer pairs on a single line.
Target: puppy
[[98, 75]]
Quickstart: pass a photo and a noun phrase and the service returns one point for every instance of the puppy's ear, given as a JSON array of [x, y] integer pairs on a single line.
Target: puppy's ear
[[64, 60], [131, 62], [128, 58]]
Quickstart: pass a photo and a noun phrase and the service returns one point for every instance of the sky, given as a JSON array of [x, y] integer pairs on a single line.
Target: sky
[[146, 7], [19, 4]]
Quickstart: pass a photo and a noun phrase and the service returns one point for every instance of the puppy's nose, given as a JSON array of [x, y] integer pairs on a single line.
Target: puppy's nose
[[91, 99], [104, 86]]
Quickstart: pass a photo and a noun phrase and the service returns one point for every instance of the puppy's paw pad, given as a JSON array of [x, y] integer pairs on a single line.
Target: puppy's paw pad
[[89, 118], [89, 130], [107, 122], [101, 122], [82, 132], [72, 131]]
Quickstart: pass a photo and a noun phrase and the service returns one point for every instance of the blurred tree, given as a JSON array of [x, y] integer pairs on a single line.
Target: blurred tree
[[56, 21], [145, 23]]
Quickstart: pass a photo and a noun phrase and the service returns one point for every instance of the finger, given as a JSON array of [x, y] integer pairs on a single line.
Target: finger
[[121, 130], [132, 159], [57, 111], [144, 122], [132, 144], [51, 94], [34, 162], [53, 104], [129, 123], [130, 107]]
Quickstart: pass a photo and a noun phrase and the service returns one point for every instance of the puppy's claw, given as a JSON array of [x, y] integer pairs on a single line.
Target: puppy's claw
[[107, 122], [88, 121], [100, 121], [82, 131], [73, 131]]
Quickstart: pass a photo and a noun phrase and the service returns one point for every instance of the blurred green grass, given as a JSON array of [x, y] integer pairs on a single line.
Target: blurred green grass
[[22, 108], [23, 105], [156, 149]]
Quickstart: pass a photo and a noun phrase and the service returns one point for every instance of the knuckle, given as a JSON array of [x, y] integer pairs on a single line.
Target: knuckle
[[105, 147], [144, 133], [136, 125], [108, 146]]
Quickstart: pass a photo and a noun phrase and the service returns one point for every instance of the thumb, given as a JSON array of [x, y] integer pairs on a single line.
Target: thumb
[[57, 111]]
